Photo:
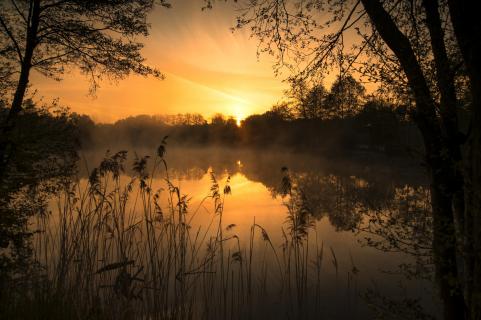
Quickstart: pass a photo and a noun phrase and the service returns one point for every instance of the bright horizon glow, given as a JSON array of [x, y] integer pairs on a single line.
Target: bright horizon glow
[[208, 70], [239, 114], [239, 121]]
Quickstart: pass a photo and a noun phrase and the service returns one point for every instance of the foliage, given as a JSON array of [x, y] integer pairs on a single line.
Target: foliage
[[344, 99], [377, 127], [98, 37], [117, 248], [45, 143], [423, 54]]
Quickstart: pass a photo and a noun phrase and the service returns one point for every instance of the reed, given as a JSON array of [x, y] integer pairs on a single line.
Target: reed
[[114, 248]]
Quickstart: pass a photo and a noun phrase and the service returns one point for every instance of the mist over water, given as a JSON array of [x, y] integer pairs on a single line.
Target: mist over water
[[355, 193], [339, 194]]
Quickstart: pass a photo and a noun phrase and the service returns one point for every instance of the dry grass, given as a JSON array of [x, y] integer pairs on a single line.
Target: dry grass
[[116, 249]]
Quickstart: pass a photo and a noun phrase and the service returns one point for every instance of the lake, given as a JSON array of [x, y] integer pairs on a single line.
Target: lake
[[294, 235]]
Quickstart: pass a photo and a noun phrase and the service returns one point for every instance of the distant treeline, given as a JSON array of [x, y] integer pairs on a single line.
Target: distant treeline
[[376, 127], [339, 120]]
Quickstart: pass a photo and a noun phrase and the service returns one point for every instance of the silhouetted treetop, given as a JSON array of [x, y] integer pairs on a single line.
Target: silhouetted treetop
[[99, 37], [424, 54], [344, 99], [346, 95]]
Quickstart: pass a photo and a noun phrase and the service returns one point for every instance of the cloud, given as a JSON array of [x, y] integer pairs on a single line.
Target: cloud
[[209, 69]]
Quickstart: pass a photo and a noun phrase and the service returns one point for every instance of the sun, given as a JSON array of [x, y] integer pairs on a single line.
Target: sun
[[239, 118], [239, 113]]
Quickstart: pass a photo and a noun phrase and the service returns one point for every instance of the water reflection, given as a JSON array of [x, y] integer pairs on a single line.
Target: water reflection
[[249, 239], [362, 218]]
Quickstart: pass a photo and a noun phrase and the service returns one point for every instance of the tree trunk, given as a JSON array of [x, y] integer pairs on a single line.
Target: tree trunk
[[448, 111], [16, 107], [467, 27], [440, 163], [444, 240], [473, 208]]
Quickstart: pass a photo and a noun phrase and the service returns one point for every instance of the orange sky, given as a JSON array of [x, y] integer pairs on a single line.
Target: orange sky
[[208, 69]]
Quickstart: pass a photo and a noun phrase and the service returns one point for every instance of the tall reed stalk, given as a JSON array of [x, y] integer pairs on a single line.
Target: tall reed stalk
[[114, 248]]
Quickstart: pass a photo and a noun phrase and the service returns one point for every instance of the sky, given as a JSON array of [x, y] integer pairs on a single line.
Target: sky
[[208, 69]]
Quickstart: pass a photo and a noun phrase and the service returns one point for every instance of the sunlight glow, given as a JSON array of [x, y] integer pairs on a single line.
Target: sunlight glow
[[239, 111], [199, 55], [239, 121]]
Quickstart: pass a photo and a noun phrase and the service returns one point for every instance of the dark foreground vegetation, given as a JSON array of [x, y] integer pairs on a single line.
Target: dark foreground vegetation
[[113, 247], [93, 259], [101, 243]]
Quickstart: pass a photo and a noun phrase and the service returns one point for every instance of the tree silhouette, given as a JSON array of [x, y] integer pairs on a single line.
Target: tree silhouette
[[346, 96], [282, 110], [46, 161], [314, 105], [98, 37], [424, 54], [316, 102]]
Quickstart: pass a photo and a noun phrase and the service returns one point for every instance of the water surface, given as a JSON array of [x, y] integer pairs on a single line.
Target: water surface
[[338, 193]]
